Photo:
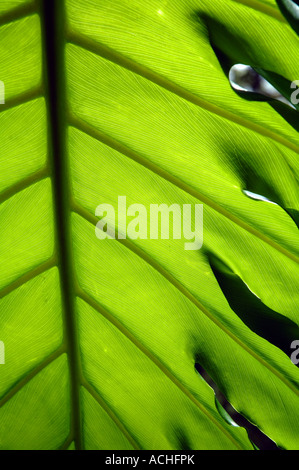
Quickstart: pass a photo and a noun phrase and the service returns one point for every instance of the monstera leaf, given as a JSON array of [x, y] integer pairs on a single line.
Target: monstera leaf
[[102, 337]]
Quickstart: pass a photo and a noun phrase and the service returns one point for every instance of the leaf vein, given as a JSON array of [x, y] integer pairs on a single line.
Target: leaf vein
[[121, 148], [33, 373], [164, 369], [185, 292], [116, 57]]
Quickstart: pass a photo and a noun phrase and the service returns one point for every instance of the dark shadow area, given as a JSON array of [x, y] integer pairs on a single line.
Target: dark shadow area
[[262, 320], [290, 10], [254, 183], [259, 439], [231, 49], [182, 440], [294, 214]]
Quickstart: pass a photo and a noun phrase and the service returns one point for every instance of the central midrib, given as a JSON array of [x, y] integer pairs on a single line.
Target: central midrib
[[52, 16]]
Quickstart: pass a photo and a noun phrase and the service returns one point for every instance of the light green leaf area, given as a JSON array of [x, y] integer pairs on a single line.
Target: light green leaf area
[[21, 65], [150, 115]]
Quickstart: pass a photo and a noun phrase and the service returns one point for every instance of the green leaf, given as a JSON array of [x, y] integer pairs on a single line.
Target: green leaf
[[128, 98]]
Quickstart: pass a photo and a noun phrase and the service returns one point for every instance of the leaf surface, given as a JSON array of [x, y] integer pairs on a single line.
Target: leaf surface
[[101, 336]]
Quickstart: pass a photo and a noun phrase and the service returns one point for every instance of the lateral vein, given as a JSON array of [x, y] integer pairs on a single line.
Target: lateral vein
[[164, 369], [119, 59], [121, 148], [186, 293]]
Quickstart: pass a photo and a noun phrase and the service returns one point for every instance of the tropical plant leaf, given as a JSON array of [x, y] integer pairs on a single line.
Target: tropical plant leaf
[[128, 98]]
